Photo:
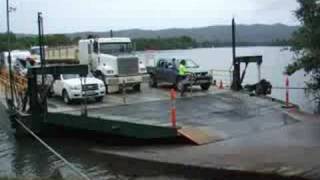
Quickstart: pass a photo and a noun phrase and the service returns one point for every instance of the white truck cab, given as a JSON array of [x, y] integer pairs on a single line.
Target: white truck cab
[[72, 87], [113, 61], [35, 53]]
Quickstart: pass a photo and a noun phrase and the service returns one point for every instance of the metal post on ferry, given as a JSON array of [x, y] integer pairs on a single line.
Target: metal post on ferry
[[124, 92], [40, 41], [42, 60], [83, 87], [11, 102], [236, 84], [111, 33]]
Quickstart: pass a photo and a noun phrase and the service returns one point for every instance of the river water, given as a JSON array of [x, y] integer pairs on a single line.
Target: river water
[[275, 59], [26, 157]]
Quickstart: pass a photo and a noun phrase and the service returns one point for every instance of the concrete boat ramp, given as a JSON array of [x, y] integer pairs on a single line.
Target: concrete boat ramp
[[248, 134]]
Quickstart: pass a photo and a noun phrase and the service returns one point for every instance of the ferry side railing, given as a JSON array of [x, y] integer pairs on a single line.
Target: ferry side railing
[[21, 82], [20, 85], [220, 75]]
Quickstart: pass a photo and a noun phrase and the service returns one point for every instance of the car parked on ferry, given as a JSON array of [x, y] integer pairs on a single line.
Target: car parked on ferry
[[72, 87], [166, 71]]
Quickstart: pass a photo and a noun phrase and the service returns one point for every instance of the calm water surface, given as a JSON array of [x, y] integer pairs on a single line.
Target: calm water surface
[[275, 59]]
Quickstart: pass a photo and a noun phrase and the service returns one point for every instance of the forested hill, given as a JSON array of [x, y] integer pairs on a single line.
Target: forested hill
[[245, 33], [217, 36]]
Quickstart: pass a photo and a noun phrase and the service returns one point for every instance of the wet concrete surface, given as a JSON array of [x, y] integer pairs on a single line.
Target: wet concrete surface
[[116, 99], [259, 136], [218, 111], [289, 150]]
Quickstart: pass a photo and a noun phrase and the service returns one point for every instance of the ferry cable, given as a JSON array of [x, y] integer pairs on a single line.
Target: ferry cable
[[76, 170], [299, 88]]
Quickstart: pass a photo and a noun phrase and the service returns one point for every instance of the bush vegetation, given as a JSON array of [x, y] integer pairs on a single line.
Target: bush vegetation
[[306, 45]]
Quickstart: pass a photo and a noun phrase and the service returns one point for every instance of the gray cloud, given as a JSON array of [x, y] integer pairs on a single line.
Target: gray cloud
[[101, 15]]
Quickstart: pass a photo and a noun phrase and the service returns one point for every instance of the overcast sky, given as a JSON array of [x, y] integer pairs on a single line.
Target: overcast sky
[[63, 16]]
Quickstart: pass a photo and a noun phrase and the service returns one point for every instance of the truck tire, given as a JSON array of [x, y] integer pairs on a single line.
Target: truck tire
[[99, 99], [205, 87], [65, 97], [106, 86], [137, 87], [153, 82], [50, 94]]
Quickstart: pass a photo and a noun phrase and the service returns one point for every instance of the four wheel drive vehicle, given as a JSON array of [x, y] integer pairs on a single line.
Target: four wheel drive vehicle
[[72, 87], [166, 70]]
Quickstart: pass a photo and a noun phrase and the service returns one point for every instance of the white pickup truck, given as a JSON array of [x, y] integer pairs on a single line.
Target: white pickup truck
[[69, 87]]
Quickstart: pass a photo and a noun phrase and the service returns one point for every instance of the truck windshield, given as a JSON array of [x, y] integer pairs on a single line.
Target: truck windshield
[[115, 48], [35, 51]]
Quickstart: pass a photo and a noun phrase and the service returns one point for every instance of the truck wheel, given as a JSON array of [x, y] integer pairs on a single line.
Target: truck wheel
[[137, 87], [205, 87], [99, 99], [66, 98], [153, 82], [106, 86], [50, 94]]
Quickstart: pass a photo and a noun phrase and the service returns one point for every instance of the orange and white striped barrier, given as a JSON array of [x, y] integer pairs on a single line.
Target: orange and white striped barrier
[[287, 91], [287, 100], [221, 85]]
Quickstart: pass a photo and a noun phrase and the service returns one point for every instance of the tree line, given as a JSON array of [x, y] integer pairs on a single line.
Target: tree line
[[183, 42], [26, 42], [186, 42]]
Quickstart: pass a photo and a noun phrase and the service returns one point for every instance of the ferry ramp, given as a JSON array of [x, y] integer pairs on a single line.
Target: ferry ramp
[[148, 126], [217, 114]]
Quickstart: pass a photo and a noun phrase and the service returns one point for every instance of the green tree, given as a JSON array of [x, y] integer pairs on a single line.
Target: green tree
[[306, 45], [57, 40], [4, 44]]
